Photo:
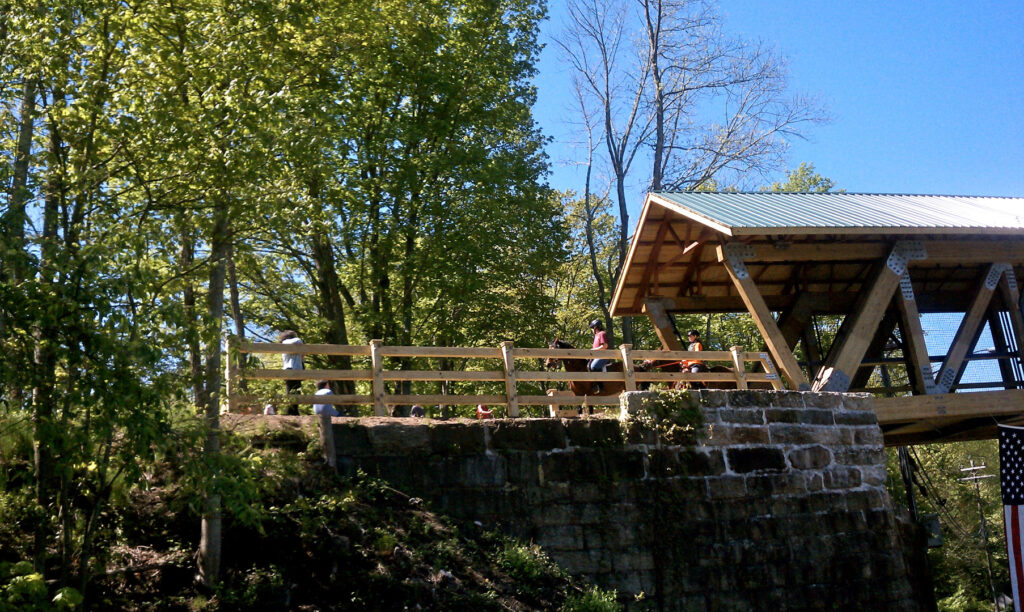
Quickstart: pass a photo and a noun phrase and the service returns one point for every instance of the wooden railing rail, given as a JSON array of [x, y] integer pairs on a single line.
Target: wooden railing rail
[[509, 373]]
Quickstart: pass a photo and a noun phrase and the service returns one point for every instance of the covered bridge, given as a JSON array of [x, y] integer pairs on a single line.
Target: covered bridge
[[879, 261]]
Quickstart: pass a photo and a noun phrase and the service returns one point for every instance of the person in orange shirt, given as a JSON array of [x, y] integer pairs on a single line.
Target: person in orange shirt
[[694, 365]]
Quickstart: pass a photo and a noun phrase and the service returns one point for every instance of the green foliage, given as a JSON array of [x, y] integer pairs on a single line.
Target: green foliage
[[525, 562], [593, 600], [674, 415], [803, 180], [959, 566]]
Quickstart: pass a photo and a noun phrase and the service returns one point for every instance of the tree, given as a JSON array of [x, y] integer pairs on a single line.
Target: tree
[[805, 179], [666, 79]]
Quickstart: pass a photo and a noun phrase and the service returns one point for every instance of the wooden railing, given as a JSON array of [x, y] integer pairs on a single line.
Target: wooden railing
[[509, 374]]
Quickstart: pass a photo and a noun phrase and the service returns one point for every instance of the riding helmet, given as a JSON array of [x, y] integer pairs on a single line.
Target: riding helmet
[[693, 332], [596, 323]]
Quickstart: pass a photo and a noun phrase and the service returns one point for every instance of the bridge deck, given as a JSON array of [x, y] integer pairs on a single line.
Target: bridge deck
[[948, 417]]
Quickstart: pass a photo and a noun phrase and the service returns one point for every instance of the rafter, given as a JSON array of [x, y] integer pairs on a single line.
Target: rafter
[[967, 333]]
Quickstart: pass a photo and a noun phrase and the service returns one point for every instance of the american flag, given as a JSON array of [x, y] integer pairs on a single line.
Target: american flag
[[1011, 482]]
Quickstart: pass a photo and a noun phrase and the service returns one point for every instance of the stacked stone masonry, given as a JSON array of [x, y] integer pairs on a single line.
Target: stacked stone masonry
[[779, 504]]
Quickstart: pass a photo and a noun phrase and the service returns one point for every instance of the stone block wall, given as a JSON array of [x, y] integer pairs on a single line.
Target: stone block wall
[[778, 504]]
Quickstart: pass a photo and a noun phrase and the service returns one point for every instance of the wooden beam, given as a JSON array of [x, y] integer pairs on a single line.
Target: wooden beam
[[848, 351], [663, 327], [876, 348], [995, 325], [967, 333], [1011, 297], [845, 358], [652, 265], [958, 252], [915, 351], [739, 367], [892, 410], [731, 257]]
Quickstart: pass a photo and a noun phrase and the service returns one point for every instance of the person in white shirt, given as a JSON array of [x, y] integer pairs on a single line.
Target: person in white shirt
[[291, 361], [324, 388]]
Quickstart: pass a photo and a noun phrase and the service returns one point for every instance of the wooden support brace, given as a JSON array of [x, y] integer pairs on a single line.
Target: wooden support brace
[[915, 349], [377, 359], [627, 367], [663, 327], [967, 333], [731, 256], [1011, 297], [739, 366], [845, 358], [510, 379]]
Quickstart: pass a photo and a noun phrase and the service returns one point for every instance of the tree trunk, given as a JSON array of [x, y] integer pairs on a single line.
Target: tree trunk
[[332, 306], [15, 218], [210, 535], [189, 302]]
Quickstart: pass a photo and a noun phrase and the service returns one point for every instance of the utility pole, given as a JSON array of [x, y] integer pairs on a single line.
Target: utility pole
[[981, 513]]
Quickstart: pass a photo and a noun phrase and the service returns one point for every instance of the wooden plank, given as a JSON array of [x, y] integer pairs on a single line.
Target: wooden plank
[[445, 399], [844, 358], [377, 359], [680, 355], [765, 322], [336, 400], [304, 349], [543, 353], [510, 379], [475, 352], [918, 364], [655, 308], [966, 334], [443, 375], [893, 410], [958, 252], [539, 376], [739, 367], [260, 374], [627, 367]]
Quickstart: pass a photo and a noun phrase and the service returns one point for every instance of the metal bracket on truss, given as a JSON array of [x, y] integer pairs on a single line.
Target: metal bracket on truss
[[903, 252], [946, 380], [735, 253], [906, 288], [837, 381], [994, 274]]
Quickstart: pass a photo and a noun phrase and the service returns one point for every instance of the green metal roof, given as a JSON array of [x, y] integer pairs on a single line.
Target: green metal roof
[[839, 213]]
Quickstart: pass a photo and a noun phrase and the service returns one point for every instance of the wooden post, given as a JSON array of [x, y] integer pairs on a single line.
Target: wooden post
[[655, 308], [741, 368], [913, 336], [967, 333], [379, 408], [732, 259], [510, 379], [327, 441], [627, 367]]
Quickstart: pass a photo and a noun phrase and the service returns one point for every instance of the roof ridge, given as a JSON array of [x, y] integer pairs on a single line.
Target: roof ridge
[[838, 193]]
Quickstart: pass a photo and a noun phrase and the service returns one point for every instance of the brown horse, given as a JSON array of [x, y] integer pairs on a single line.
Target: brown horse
[[582, 387]]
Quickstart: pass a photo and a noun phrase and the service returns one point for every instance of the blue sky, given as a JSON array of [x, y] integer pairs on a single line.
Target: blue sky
[[925, 97]]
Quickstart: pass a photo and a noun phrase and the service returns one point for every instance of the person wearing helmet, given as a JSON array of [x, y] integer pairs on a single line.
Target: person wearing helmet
[[694, 365], [600, 343]]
